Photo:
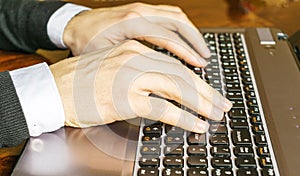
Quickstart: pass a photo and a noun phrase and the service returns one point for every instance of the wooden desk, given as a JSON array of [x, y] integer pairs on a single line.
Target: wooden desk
[[204, 13]]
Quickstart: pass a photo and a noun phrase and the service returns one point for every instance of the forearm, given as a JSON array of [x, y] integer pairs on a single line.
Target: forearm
[[13, 127], [29, 104], [24, 24]]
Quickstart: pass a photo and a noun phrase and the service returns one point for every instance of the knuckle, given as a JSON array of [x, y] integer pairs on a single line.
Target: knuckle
[[177, 9], [131, 45], [131, 14], [137, 5]]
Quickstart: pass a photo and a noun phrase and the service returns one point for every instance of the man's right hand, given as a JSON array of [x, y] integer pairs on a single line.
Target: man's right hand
[[114, 84]]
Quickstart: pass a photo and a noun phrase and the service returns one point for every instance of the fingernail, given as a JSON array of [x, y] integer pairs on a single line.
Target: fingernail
[[201, 126], [203, 62], [207, 52]]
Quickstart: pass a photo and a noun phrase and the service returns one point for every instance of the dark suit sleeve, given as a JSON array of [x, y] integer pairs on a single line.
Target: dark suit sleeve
[[23, 24], [13, 126]]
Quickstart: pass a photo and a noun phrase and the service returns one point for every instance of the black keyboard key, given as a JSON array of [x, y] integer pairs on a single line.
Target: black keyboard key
[[248, 87], [173, 161], [150, 150], [263, 151], [149, 161], [218, 151], [265, 162], [234, 95], [218, 129], [268, 172], [242, 151], [148, 171], [241, 56], [237, 103], [253, 110], [172, 140], [232, 87], [220, 162], [237, 113], [258, 128], [230, 79], [241, 137], [219, 139], [245, 162], [222, 172], [215, 83], [198, 70], [239, 123], [197, 172], [172, 172], [173, 130], [252, 102], [255, 119], [212, 75], [152, 129], [260, 139], [228, 64], [195, 138], [212, 68], [247, 172], [197, 161], [250, 94], [230, 72], [173, 150], [245, 73], [196, 150], [151, 139]]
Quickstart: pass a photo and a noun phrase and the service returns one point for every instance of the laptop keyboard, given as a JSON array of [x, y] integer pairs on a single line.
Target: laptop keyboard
[[237, 145]]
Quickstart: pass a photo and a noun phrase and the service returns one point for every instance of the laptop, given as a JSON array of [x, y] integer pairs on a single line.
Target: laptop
[[256, 68]]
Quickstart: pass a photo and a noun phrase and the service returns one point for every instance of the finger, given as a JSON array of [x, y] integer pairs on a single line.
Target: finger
[[174, 88], [174, 19], [164, 111], [148, 60], [164, 38]]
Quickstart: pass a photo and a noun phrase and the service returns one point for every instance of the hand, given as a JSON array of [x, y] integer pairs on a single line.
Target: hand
[[160, 25], [114, 84]]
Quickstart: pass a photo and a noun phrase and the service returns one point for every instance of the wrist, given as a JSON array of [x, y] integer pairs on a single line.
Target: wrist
[[63, 73], [72, 36], [59, 20]]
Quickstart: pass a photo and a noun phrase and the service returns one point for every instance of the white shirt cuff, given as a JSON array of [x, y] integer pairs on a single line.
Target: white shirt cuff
[[59, 20], [39, 98]]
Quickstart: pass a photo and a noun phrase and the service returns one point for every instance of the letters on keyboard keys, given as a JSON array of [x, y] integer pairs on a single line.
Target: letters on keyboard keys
[[241, 137], [247, 172], [197, 161], [197, 172], [217, 151], [148, 171], [237, 145]]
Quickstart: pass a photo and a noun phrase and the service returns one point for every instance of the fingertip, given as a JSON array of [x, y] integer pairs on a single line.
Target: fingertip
[[203, 63], [201, 126], [228, 105], [206, 52]]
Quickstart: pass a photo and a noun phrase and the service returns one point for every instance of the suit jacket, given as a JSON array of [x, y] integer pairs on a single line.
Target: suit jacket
[[23, 26]]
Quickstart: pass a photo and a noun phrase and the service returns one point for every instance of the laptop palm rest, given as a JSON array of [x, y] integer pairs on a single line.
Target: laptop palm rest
[[103, 150]]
